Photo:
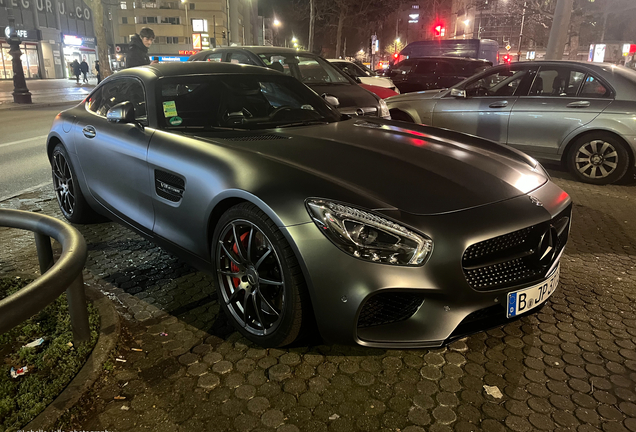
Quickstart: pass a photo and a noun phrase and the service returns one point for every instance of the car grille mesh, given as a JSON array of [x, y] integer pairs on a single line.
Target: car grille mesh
[[511, 259], [386, 308]]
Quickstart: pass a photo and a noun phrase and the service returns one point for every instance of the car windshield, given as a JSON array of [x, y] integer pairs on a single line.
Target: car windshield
[[238, 101], [308, 69]]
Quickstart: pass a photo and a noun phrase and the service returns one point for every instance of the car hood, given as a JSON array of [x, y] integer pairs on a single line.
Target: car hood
[[419, 170], [349, 95], [427, 94]]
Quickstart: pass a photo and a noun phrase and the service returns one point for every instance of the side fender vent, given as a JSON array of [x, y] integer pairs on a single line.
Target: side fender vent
[[169, 186]]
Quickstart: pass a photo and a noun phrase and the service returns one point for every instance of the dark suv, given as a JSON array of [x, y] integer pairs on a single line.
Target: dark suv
[[317, 73], [428, 73]]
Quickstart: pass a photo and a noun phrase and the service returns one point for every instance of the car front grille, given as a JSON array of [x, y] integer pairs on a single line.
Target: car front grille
[[513, 259], [387, 308]]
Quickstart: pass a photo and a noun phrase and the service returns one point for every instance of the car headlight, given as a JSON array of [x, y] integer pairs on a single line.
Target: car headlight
[[384, 110], [368, 236]]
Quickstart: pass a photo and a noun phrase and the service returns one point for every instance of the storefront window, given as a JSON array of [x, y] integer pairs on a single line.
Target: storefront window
[[30, 61]]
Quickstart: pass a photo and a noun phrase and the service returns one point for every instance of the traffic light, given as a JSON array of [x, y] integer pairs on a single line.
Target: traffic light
[[395, 56], [507, 59], [439, 30]]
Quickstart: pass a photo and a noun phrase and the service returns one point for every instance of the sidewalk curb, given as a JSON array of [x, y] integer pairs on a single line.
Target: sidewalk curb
[[109, 331], [14, 106]]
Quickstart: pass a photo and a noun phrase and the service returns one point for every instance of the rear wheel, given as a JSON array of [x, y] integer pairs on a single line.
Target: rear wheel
[[598, 158], [69, 196], [260, 284]]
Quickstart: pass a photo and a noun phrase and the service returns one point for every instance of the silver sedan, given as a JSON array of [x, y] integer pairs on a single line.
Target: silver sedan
[[581, 114]]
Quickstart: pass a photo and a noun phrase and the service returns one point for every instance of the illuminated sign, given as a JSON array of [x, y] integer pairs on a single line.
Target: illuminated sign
[[187, 52], [169, 59], [599, 53], [199, 25], [72, 40], [629, 49], [196, 41]]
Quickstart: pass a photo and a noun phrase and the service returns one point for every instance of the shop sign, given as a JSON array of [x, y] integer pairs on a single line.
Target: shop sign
[[187, 52], [73, 40], [47, 5], [196, 41], [629, 49], [163, 59], [599, 53], [22, 34]]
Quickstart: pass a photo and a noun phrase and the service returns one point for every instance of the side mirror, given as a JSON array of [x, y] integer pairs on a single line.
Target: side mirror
[[458, 93], [122, 113], [331, 100]]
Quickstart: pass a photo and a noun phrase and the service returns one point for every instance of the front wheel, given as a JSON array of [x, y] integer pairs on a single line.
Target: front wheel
[[259, 281], [598, 158]]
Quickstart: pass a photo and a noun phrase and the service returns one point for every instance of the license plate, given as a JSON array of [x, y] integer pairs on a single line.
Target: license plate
[[529, 298]]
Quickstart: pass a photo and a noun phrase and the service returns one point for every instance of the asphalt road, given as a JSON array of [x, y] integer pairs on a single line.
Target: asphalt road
[[23, 161]]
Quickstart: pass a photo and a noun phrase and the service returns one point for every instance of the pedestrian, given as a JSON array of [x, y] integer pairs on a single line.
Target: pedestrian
[[77, 70], [99, 77], [138, 49], [84, 68]]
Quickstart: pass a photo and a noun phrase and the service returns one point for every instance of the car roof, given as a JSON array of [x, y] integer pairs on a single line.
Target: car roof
[[451, 58], [194, 68], [261, 50]]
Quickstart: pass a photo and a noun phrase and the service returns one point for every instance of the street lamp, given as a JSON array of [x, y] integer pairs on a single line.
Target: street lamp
[[21, 93], [276, 23], [185, 7], [397, 41]]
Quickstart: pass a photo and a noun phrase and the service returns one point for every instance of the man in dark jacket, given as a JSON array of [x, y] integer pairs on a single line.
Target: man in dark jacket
[[77, 70], [138, 49], [84, 69]]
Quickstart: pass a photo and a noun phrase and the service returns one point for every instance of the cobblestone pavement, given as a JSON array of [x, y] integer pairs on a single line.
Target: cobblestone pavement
[[571, 367]]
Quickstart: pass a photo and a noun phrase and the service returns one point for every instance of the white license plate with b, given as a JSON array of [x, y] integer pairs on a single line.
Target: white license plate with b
[[529, 298]]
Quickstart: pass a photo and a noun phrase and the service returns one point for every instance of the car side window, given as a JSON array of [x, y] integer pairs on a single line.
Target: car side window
[[404, 67], [503, 82], [425, 67], [118, 91], [215, 57], [240, 58], [593, 88], [556, 81]]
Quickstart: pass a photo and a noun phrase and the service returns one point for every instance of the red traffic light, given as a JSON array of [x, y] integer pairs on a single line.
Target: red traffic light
[[507, 59], [396, 55], [439, 30]]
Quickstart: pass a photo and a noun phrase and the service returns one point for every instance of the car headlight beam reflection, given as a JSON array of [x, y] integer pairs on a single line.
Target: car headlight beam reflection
[[368, 236]]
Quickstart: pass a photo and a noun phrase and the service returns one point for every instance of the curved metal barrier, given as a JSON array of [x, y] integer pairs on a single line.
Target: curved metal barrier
[[63, 275]]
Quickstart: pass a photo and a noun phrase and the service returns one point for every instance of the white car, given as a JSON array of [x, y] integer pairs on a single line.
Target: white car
[[367, 76]]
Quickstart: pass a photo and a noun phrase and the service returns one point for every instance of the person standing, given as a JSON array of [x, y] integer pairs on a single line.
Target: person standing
[[99, 77], [76, 69], [84, 69], [138, 49]]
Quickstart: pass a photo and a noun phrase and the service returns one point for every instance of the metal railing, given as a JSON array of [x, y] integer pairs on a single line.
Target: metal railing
[[56, 277]]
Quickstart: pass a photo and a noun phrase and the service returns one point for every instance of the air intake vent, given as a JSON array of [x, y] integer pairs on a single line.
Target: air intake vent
[[386, 308], [169, 186]]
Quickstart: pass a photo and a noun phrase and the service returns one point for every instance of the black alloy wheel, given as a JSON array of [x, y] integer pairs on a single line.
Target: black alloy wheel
[[259, 280], [598, 158], [69, 196]]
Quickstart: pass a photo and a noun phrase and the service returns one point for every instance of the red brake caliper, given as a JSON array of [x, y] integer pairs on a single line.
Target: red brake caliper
[[234, 267]]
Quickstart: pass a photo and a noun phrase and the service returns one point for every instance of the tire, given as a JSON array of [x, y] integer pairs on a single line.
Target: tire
[[598, 158], [69, 196], [270, 314], [401, 116]]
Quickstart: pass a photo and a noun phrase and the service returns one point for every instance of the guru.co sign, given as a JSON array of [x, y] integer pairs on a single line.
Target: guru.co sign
[[47, 5]]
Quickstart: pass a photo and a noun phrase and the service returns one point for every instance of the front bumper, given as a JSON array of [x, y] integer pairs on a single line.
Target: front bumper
[[341, 285]]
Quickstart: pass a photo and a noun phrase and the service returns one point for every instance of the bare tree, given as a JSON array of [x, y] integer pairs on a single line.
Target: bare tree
[[97, 9]]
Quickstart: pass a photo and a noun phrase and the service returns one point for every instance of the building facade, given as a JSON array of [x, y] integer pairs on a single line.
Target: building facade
[[54, 33]]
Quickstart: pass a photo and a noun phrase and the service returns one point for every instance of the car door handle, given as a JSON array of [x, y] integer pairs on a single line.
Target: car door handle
[[500, 104], [89, 131], [578, 104]]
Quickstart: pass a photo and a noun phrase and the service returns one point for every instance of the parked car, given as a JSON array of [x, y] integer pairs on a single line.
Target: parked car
[[385, 234], [314, 71], [419, 74], [581, 114], [366, 76]]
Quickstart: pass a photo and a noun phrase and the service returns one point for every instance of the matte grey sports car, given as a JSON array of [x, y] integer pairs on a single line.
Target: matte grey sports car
[[383, 234]]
